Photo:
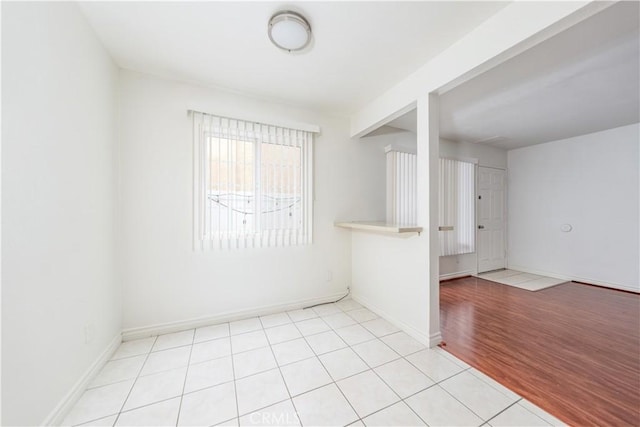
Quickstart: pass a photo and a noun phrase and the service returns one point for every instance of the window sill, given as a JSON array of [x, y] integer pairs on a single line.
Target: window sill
[[378, 227]]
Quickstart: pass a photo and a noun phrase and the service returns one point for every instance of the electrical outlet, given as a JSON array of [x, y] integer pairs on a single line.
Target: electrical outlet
[[329, 275]]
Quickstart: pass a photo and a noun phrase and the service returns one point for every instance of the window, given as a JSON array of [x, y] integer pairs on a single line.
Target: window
[[252, 184], [457, 207], [402, 187]]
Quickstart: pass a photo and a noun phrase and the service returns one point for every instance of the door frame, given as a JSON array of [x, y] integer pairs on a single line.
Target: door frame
[[504, 214]]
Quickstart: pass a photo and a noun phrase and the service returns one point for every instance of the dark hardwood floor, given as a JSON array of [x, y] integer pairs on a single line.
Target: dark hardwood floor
[[573, 349]]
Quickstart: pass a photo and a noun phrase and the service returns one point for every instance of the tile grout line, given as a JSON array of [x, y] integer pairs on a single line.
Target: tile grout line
[[281, 376], [233, 373], [384, 382], [327, 371], [167, 369], [291, 363], [148, 354], [471, 368], [323, 365], [513, 404], [228, 327], [315, 355], [335, 382], [400, 357], [242, 352], [465, 405], [330, 376], [403, 399], [550, 424], [204, 388], [371, 369], [146, 405], [462, 369], [172, 369], [395, 403], [432, 385], [391, 388], [186, 375], [135, 381], [317, 316], [260, 408]]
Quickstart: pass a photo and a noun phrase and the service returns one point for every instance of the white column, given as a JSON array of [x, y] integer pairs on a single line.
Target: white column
[[428, 138]]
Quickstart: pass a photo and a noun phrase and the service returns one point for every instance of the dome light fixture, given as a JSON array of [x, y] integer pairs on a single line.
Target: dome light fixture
[[289, 31]]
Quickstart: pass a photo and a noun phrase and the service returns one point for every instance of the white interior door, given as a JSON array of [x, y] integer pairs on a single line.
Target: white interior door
[[491, 219]]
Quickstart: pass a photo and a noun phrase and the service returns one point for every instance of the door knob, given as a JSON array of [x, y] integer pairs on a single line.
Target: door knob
[[481, 227]]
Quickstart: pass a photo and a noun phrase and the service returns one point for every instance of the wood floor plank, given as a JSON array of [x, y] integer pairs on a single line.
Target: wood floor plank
[[573, 350]]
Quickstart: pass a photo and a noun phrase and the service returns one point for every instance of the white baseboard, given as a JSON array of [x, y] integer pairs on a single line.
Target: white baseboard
[[181, 325], [410, 330], [435, 339], [56, 417], [575, 278], [457, 274]]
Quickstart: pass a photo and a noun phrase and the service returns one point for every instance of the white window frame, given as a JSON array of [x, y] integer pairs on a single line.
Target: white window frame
[[206, 126]]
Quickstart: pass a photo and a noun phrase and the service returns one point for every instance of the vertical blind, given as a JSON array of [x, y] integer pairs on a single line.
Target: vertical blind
[[457, 207], [252, 184], [402, 188]]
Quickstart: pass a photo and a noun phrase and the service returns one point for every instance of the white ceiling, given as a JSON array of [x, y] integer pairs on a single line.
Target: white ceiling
[[583, 80], [359, 49]]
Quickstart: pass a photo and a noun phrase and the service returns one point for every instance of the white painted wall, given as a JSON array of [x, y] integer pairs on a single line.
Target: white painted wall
[[164, 279], [590, 182], [391, 273], [385, 290], [389, 277], [486, 155], [58, 198]]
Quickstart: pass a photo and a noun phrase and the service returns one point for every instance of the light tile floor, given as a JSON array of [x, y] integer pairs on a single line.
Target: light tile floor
[[518, 279], [337, 364]]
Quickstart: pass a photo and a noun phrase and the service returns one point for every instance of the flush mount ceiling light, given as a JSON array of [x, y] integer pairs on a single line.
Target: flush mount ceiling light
[[289, 31]]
